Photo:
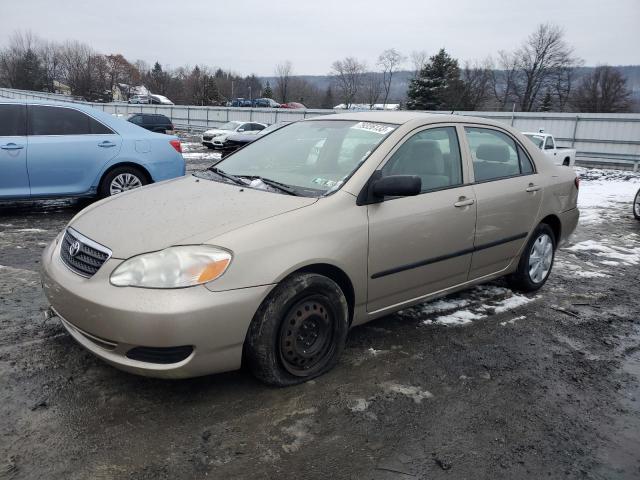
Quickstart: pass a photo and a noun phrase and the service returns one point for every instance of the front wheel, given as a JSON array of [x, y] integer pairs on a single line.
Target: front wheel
[[636, 206], [120, 180], [298, 332], [536, 261]]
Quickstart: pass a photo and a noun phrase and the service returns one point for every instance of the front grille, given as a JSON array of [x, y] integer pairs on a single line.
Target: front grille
[[82, 255], [207, 137], [162, 355]]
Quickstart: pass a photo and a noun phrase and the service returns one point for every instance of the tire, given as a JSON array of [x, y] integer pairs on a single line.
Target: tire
[[298, 332], [526, 278], [127, 177], [636, 206], [209, 146]]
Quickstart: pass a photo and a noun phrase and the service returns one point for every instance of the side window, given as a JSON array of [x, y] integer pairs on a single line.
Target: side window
[[549, 145], [45, 120], [13, 120], [257, 127], [525, 162], [137, 119], [495, 154], [433, 155]]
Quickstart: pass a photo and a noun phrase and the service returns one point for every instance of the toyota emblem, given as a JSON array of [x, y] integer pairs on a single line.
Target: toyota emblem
[[74, 248]]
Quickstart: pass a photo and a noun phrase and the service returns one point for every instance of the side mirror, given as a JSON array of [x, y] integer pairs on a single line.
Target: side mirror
[[397, 186]]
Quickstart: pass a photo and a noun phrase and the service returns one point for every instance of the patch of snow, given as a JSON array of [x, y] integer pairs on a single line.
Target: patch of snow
[[513, 320], [459, 317], [30, 230], [511, 303], [628, 256], [300, 433], [360, 405], [415, 393]]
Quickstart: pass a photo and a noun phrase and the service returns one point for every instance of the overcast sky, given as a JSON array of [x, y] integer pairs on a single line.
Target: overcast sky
[[251, 36]]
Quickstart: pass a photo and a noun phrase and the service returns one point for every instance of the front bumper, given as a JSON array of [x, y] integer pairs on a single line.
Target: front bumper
[[110, 321]]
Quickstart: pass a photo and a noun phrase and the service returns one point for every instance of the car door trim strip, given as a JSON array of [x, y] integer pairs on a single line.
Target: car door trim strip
[[466, 251]]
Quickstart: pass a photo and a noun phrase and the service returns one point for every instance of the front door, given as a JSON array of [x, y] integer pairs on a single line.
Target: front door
[[423, 244], [14, 178], [67, 150], [508, 196]]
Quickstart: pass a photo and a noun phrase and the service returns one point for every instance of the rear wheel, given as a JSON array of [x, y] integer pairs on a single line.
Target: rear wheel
[[298, 332], [536, 261], [121, 179], [636, 206]]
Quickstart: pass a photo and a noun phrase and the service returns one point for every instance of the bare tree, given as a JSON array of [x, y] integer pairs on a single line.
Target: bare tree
[[419, 58], [348, 75], [476, 85], [562, 85], [283, 74], [503, 80], [539, 58], [389, 61], [372, 87], [603, 91]]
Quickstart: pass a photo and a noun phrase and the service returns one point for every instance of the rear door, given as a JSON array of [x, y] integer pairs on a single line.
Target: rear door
[[67, 150], [422, 244], [14, 178], [508, 193]]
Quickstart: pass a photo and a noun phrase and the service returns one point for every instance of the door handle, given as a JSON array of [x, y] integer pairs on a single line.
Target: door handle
[[462, 202], [12, 146], [106, 144], [533, 188]]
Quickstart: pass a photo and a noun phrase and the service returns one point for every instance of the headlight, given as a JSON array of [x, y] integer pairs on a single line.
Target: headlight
[[173, 267]]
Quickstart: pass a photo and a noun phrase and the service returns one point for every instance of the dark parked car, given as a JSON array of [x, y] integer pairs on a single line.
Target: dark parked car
[[239, 102], [265, 103], [237, 141], [152, 121]]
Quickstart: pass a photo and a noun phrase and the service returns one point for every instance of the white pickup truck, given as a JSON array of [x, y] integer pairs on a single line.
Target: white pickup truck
[[546, 143]]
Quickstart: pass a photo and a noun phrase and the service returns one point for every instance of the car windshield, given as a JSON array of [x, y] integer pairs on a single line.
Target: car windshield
[[312, 158], [228, 126], [271, 128], [537, 139]]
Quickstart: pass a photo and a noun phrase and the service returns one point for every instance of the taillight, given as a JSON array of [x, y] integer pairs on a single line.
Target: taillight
[[176, 144], [577, 182]]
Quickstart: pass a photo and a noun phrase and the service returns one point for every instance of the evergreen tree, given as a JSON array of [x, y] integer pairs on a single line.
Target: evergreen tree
[[268, 93], [31, 74], [437, 86], [547, 102], [211, 92], [327, 100]]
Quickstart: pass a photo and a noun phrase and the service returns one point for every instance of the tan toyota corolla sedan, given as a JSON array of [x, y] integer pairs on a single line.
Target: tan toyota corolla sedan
[[271, 255]]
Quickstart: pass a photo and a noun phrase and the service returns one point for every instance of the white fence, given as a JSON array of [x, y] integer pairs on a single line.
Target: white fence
[[600, 139]]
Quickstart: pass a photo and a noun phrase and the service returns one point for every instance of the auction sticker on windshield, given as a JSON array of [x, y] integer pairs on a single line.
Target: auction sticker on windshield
[[380, 128]]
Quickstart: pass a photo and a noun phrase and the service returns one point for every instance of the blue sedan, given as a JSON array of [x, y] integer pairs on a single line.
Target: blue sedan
[[71, 150]]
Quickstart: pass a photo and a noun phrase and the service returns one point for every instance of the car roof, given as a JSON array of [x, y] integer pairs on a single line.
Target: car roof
[[120, 124], [408, 116]]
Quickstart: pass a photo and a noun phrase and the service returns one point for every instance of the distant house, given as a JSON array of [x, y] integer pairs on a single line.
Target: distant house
[[61, 88]]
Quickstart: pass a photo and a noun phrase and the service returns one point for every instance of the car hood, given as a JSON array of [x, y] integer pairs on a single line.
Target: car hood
[[215, 131], [182, 211]]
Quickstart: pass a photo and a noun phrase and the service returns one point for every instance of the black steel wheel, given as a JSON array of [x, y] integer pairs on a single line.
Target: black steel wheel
[[299, 330], [306, 335]]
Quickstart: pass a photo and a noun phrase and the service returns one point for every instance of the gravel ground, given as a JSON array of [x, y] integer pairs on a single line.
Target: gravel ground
[[481, 384]]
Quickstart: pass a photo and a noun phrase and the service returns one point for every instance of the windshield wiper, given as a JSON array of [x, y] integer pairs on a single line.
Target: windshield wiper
[[228, 176], [283, 187]]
